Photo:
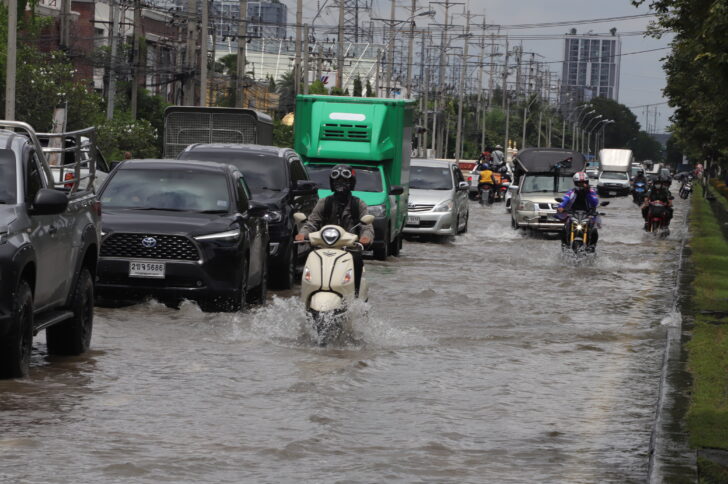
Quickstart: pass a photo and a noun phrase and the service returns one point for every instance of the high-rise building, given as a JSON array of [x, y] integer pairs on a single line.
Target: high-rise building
[[591, 67], [265, 19]]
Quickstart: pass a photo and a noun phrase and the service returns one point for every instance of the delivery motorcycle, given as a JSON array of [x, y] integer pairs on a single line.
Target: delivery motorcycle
[[686, 189], [657, 221], [639, 191], [328, 283], [579, 224]]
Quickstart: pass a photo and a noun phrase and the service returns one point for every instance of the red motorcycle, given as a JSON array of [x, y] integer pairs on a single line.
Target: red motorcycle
[[658, 222]]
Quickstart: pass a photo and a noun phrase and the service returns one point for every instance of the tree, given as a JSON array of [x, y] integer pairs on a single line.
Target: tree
[[357, 90], [370, 91], [286, 89], [317, 87]]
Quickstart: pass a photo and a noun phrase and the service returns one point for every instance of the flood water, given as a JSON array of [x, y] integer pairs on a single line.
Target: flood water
[[482, 359]]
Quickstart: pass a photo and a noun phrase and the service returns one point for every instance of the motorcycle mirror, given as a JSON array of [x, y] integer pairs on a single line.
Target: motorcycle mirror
[[367, 219], [299, 217], [604, 204]]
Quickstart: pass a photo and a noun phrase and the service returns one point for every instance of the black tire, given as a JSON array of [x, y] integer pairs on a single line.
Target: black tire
[[456, 227], [382, 251], [16, 346], [465, 227], [259, 294], [73, 337], [396, 246], [327, 327], [491, 197], [284, 276], [514, 224]]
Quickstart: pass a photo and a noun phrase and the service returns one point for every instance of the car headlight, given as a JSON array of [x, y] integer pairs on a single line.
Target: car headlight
[[377, 210], [227, 235], [445, 206], [526, 206], [273, 216]]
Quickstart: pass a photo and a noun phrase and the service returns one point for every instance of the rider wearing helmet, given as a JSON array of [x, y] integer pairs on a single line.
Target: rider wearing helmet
[[640, 177], [658, 193], [343, 209], [498, 156], [582, 198]]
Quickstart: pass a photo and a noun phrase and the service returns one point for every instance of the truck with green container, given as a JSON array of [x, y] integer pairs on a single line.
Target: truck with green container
[[372, 135]]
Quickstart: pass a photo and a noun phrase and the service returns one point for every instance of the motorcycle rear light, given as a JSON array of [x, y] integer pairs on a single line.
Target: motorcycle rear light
[[470, 178], [306, 274]]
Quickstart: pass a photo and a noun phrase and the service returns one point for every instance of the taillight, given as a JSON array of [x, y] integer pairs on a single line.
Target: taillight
[[96, 205], [67, 177], [470, 178]]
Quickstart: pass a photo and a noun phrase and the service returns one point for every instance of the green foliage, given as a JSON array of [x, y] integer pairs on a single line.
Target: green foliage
[[337, 91], [115, 136], [696, 73], [286, 88], [317, 87], [282, 134], [369, 89], [357, 90]]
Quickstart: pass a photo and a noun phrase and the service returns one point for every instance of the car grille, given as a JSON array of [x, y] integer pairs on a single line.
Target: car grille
[[547, 206], [425, 224], [420, 208], [168, 247]]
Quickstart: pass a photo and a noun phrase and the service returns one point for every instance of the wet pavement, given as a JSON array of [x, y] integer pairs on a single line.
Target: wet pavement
[[485, 358]]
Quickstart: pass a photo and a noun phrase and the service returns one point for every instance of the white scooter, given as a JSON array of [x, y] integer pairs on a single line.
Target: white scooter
[[327, 284]]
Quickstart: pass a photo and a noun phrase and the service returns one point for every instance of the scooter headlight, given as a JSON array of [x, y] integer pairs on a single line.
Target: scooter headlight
[[348, 276], [330, 236], [306, 274]]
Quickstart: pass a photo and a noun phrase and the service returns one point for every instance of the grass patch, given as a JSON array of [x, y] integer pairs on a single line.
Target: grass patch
[[708, 349], [711, 473]]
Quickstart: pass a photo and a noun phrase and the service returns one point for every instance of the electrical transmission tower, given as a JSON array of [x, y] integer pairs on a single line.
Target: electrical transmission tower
[[352, 24]]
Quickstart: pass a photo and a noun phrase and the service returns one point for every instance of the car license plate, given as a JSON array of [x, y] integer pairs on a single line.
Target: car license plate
[[413, 220], [612, 194], [146, 269]]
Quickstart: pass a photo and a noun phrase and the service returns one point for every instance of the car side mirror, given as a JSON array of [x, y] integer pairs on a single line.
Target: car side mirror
[[257, 209], [299, 217], [513, 187], [604, 204], [304, 187], [49, 202], [396, 190], [367, 219], [559, 199], [463, 185]]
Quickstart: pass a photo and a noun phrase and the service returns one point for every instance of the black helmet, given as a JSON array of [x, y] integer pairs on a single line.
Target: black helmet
[[342, 179]]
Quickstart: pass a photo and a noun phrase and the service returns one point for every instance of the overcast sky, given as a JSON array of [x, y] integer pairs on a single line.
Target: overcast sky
[[642, 77]]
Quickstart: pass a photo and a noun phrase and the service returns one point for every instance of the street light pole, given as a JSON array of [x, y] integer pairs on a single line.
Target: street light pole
[[577, 123], [586, 129], [588, 139]]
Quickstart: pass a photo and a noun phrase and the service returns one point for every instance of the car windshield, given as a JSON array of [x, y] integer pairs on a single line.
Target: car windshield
[[430, 178], [173, 189], [614, 175], [8, 180], [545, 183], [262, 172], [367, 179], [634, 170]]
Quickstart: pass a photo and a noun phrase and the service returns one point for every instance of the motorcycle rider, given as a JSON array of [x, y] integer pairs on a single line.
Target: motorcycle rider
[[343, 209], [498, 156], [486, 177], [640, 177], [582, 198], [658, 193]]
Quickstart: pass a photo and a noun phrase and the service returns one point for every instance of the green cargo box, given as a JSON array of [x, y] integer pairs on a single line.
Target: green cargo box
[[364, 132]]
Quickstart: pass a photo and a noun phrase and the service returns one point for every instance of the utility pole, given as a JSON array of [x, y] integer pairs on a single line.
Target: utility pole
[[111, 95], [390, 50], [479, 101], [240, 67], [189, 88], [426, 110], [505, 76], [137, 57], [410, 48], [305, 59], [65, 24], [297, 62], [11, 60], [461, 89], [204, 50], [340, 48]]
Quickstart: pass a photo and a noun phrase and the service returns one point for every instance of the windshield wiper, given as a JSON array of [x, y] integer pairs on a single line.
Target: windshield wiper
[[163, 209], [212, 211], [271, 189]]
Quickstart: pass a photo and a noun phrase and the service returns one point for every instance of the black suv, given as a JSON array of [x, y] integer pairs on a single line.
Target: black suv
[[278, 179], [182, 229]]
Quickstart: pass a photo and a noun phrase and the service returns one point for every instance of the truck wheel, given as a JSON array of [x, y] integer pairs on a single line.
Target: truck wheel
[[381, 252], [285, 275], [259, 294], [73, 336], [16, 346], [396, 245]]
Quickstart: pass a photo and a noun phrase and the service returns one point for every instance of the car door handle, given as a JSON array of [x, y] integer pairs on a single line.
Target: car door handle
[[52, 230]]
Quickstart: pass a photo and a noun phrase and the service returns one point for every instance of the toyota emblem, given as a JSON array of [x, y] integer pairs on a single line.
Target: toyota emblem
[[149, 242]]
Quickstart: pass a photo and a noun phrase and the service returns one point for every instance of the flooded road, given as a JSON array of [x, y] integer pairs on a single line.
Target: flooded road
[[482, 359]]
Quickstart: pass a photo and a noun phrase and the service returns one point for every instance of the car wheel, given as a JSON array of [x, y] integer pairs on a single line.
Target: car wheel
[[456, 226], [465, 227], [382, 251], [284, 276], [396, 245], [73, 337], [514, 224], [16, 346], [259, 294]]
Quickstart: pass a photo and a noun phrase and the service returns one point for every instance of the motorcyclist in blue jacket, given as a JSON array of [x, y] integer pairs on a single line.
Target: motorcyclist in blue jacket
[[582, 198]]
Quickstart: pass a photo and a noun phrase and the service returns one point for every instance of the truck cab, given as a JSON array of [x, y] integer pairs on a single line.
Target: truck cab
[[49, 240], [375, 137]]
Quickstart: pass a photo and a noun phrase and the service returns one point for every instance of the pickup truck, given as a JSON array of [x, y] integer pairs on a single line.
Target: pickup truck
[[49, 242]]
